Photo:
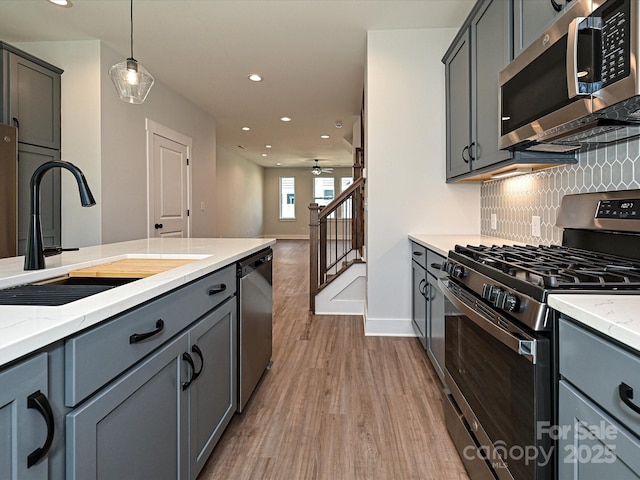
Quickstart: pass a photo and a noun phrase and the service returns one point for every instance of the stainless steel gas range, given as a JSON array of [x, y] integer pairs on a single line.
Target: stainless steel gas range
[[500, 334]]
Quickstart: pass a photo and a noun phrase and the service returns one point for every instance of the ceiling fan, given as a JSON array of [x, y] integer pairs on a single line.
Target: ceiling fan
[[317, 169]]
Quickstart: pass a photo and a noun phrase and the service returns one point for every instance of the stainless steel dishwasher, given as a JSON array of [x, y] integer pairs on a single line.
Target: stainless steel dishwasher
[[254, 322]]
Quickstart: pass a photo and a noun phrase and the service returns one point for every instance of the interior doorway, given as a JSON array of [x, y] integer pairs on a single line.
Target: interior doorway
[[169, 182]]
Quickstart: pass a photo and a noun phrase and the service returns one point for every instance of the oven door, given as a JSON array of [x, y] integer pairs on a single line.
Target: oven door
[[499, 377]]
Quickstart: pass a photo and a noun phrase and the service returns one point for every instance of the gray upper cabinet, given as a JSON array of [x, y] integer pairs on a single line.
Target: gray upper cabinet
[[472, 64], [30, 101], [25, 414], [530, 18]]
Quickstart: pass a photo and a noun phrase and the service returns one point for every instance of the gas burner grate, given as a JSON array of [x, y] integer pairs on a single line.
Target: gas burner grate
[[558, 266]]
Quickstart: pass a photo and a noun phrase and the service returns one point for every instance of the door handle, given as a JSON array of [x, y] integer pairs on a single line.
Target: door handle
[[40, 402], [158, 225]]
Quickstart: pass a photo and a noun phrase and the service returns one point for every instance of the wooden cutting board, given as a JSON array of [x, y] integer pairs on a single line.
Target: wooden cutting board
[[130, 268]]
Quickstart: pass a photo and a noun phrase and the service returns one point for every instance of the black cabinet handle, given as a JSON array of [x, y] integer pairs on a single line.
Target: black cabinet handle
[[626, 395], [187, 358], [196, 349], [473, 144], [418, 254], [138, 337], [465, 149], [16, 123], [556, 6], [438, 266], [40, 402], [158, 226], [216, 289]]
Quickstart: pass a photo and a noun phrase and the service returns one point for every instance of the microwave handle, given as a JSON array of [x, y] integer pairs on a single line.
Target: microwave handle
[[572, 58]]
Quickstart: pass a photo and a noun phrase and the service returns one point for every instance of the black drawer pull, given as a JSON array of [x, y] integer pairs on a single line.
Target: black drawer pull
[[196, 349], [40, 402], [418, 254], [138, 337], [187, 358], [437, 266], [626, 395], [217, 289]]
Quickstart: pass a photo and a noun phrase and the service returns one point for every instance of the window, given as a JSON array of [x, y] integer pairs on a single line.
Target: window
[[287, 198], [323, 190], [346, 182]]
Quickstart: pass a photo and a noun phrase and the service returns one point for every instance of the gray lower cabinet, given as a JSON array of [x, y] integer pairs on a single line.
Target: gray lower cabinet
[[435, 313], [162, 418], [598, 413], [25, 420], [134, 428], [212, 396]]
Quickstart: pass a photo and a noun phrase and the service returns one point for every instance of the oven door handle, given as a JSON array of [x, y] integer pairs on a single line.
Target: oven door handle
[[524, 347]]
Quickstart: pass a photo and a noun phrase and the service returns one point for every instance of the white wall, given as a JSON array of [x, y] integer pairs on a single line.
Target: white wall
[[238, 196], [405, 149], [80, 91], [124, 158]]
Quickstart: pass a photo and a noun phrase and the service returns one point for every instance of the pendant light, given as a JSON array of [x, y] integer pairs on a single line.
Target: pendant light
[[132, 81]]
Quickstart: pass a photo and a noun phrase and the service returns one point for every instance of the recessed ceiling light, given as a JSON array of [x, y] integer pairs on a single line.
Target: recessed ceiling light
[[267, 146], [278, 164], [62, 3], [264, 154], [285, 119], [246, 129], [324, 136], [254, 77]]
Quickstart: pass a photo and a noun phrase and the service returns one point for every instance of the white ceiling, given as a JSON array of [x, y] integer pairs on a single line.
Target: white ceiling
[[311, 54]]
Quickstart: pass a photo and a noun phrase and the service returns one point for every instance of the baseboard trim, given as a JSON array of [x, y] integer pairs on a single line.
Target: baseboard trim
[[278, 236], [388, 327]]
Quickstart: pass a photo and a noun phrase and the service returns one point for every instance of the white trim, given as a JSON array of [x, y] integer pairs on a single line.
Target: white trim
[[285, 236], [153, 128], [388, 327]]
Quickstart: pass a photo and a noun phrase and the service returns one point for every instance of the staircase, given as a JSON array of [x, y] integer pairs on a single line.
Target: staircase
[[336, 253]]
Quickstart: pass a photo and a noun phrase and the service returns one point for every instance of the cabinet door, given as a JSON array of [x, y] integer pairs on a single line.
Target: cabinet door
[[457, 71], [135, 427], [435, 327], [23, 425], [30, 158], [591, 445], [530, 19], [419, 303], [34, 102], [490, 38], [212, 395]]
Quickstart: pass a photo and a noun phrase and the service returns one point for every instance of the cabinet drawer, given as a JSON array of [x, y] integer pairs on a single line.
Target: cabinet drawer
[[598, 367], [419, 254], [434, 262], [95, 357]]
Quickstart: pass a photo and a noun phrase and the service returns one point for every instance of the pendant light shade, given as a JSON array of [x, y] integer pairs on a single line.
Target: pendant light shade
[[132, 81]]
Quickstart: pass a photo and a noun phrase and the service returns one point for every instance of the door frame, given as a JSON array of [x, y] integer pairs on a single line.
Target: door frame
[[154, 128]]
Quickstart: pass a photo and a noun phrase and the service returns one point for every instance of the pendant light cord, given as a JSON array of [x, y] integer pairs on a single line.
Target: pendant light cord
[[132, 29]]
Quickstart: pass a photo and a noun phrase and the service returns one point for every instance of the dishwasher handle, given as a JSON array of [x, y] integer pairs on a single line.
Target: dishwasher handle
[[253, 263]]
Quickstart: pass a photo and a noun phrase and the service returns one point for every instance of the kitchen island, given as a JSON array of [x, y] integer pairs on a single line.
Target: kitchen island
[[138, 381]]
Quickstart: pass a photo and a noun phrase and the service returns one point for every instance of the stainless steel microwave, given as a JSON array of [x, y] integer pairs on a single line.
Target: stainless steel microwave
[[577, 84]]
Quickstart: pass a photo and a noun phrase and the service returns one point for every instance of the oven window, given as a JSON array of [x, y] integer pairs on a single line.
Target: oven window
[[499, 386]]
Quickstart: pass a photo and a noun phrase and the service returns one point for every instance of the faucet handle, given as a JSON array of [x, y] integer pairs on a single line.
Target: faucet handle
[[49, 251]]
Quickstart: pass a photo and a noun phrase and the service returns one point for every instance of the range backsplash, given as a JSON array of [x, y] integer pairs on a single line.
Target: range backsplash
[[515, 200]]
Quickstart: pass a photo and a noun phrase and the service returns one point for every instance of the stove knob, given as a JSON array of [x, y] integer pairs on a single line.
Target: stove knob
[[457, 271], [488, 292], [507, 301]]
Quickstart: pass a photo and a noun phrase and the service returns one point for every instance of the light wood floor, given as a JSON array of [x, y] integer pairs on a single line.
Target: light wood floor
[[336, 404]]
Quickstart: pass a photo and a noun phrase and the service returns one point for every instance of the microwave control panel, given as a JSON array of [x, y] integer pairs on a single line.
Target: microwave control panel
[[616, 41], [622, 209]]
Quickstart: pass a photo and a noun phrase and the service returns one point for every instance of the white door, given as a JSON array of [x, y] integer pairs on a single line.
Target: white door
[[168, 183]]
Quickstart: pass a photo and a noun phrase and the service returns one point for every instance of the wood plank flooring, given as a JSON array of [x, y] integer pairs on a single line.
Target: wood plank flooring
[[336, 404]]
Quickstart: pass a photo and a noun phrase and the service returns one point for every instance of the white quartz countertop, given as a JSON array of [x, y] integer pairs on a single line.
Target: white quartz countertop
[[443, 243], [616, 316], [24, 329]]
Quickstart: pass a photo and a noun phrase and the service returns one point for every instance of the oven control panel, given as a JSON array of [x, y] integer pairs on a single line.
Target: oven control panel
[[622, 209]]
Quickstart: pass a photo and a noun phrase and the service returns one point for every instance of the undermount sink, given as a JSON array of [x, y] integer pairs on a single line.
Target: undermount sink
[[58, 291]]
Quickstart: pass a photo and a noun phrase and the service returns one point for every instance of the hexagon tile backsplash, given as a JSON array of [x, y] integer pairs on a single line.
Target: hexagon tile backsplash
[[516, 200]]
